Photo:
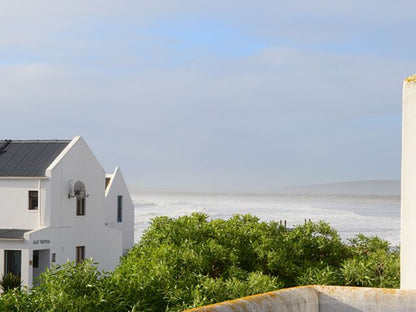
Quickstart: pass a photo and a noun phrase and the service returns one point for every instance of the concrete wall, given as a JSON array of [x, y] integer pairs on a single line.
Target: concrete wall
[[354, 299], [322, 299], [299, 299]]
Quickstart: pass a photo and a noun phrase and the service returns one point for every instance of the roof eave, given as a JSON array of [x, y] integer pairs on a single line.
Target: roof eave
[[24, 178]]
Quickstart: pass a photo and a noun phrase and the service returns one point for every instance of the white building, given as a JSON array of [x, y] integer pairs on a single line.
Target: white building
[[57, 204]]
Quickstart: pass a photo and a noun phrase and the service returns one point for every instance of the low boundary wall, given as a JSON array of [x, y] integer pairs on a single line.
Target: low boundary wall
[[321, 299], [355, 299], [297, 299]]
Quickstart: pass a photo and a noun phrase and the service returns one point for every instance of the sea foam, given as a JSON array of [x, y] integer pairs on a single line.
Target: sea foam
[[349, 214]]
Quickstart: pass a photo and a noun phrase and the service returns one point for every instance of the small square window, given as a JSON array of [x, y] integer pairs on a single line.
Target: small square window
[[33, 200]]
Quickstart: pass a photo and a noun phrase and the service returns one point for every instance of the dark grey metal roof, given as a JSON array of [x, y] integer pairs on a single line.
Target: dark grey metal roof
[[28, 158], [12, 233]]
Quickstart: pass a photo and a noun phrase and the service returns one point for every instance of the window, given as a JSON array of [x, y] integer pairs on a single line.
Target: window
[[53, 257], [119, 208], [80, 254], [13, 262], [80, 206], [80, 193], [35, 258], [33, 200]]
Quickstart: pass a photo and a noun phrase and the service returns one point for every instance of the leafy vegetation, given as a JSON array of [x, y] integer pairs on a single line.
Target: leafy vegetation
[[10, 282], [192, 261]]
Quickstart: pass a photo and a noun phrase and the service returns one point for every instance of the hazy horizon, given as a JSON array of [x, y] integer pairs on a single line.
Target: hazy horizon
[[363, 187]]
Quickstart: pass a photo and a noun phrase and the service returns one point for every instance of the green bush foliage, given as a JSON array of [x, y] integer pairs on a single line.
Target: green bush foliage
[[192, 261], [10, 282], [373, 264], [70, 287]]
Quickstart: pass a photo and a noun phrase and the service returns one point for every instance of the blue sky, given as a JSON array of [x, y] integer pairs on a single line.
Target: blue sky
[[213, 95]]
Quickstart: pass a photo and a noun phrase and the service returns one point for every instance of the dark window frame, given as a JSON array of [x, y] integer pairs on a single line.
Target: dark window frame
[[79, 254], [120, 208], [11, 257], [81, 206], [35, 258], [33, 197]]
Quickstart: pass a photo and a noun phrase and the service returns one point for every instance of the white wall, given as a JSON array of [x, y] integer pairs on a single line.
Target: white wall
[[408, 197], [78, 163], [118, 187], [14, 203]]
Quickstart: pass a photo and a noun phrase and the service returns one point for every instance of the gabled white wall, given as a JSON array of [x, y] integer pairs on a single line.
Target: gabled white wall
[[78, 163], [116, 187]]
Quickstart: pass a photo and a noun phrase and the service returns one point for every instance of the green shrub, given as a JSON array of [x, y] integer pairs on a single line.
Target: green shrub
[[9, 282], [372, 263], [320, 276], [377, 269], [192, 261], [70, 287]]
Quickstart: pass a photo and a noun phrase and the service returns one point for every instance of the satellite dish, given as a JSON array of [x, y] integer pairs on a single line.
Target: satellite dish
[[78, 190]]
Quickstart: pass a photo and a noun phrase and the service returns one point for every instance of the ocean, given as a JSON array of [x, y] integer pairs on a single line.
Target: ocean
[[350, 214]]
